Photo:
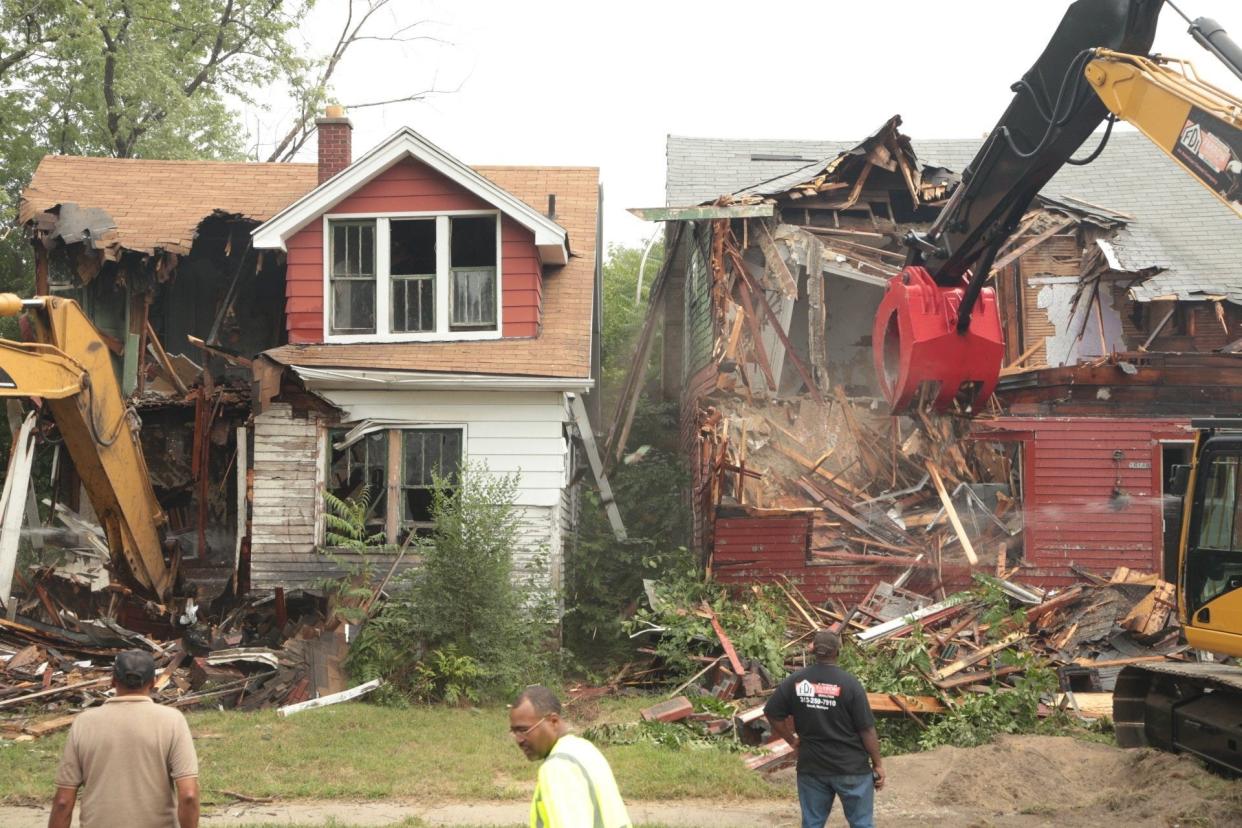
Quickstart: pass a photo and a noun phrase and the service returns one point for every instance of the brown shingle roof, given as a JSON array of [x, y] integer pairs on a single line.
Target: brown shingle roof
[[159, 204], [563, 347]]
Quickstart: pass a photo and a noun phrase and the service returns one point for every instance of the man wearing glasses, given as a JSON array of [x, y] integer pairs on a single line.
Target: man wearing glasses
[[575, 788]]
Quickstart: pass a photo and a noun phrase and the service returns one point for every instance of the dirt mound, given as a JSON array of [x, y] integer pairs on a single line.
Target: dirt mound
[[1078, 782]]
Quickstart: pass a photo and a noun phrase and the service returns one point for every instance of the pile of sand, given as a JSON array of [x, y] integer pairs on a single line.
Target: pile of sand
[[1079, 783]]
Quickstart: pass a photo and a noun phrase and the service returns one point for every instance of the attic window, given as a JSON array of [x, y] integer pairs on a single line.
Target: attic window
[[414, 277]]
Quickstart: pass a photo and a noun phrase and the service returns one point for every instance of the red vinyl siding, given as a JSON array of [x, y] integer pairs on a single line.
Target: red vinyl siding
[[1070, 513], [754, 550], [411, 186]]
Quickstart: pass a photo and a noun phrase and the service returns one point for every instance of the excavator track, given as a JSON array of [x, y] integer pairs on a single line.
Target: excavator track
[[1191, 708]]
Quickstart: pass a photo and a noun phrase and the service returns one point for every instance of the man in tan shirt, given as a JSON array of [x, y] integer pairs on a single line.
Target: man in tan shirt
[[128, 756]]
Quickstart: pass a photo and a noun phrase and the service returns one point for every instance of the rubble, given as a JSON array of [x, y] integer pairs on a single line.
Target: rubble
[[969, 643], [262, 654]]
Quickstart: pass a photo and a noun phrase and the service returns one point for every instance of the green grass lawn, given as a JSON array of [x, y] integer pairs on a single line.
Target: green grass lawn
[[360, 751]]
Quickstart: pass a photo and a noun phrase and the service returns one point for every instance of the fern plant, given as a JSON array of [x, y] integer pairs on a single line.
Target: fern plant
[[345, 530], [345, 522]]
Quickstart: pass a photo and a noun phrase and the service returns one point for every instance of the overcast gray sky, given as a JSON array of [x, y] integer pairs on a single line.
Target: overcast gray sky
[[565, 82]]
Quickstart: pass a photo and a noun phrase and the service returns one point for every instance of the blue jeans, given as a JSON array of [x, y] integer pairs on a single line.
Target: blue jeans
[[816, 794]]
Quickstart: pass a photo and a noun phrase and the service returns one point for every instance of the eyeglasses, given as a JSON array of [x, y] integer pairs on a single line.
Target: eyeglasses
[[522, 734]]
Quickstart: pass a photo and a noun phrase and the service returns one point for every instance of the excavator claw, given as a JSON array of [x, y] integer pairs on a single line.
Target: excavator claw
[[919, 354]]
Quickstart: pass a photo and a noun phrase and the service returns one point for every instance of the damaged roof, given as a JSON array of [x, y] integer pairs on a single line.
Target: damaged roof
[[563, 347], [158, 205], [1173, 223]]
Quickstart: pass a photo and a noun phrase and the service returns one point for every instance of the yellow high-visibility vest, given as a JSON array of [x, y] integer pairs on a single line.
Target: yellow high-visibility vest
[[576, 789]]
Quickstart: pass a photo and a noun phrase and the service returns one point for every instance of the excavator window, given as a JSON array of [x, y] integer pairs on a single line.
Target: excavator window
[[1214, 559]]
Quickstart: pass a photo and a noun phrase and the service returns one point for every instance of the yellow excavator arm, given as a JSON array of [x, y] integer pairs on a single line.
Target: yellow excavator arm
[[69, 367], [1197, 124]]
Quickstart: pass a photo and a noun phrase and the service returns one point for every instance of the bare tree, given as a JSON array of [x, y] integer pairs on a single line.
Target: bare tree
[[311, 89]]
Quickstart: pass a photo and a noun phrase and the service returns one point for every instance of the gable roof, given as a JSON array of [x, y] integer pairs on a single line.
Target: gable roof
[[563, 346], [550, 237], [1175, 223], [158, 205]]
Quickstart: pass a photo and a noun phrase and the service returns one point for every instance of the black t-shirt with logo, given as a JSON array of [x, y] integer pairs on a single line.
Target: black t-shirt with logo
[[830, 708]]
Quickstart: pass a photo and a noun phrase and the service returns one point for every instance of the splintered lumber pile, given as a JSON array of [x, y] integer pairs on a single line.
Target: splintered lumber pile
[[973, 642], [887, 490], [264, 653]]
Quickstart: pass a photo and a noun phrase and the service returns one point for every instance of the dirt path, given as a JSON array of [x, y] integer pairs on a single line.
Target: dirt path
[[1018, 782]]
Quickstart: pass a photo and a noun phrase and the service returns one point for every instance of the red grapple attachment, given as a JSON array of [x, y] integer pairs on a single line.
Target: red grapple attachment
[[915, 343]]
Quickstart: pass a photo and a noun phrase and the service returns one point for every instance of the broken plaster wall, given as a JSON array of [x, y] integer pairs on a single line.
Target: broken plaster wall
[[1075, 313]]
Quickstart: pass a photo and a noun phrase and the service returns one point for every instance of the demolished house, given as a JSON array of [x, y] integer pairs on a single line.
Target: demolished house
[[350, 326], [1119, 307]]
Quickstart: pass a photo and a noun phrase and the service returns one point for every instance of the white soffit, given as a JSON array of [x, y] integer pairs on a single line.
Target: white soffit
[[550, 237], [340, 379]]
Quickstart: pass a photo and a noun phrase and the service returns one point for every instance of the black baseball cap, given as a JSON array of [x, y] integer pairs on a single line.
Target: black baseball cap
[[826, 643], [133, 669]]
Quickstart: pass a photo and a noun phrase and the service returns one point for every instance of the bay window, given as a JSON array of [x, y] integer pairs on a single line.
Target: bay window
[[414, 277]]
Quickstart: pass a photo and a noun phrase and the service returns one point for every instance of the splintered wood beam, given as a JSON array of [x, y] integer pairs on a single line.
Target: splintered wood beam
[[947, 502], [734, 661], [731, 211], [756, 332], [1030, 245], [977, 656], [775, 263], [790, 353], [161, 356]]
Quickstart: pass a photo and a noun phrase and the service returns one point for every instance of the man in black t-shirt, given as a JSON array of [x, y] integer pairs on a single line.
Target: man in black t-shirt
[[822, 711]]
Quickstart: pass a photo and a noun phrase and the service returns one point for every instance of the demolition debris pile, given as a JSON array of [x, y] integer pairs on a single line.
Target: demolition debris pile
[[268, 652], [933, 669]]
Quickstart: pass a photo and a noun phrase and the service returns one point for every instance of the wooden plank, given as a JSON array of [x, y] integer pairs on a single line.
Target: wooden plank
[[892, 703], [81, 685], [1030, 245], [734, 661], [977, 656], [335, 698], [730, 211], [947, 502], [775, 264]]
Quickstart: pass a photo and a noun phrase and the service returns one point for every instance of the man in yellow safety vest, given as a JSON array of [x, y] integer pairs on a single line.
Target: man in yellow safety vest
[[575, 787]]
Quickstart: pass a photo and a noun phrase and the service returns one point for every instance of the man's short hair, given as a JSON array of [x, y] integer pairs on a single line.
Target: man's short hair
[[133, 669], [826, 643], [542, 700]]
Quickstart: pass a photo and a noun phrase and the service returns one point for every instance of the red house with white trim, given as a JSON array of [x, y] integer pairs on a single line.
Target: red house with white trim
[[445, 315]]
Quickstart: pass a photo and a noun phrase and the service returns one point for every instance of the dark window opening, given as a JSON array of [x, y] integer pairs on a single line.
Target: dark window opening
[[472, 273], [359, 469], [426, 454]]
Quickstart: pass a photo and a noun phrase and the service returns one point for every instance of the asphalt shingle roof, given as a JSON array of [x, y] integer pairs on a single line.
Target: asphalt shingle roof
[[1176, 223]]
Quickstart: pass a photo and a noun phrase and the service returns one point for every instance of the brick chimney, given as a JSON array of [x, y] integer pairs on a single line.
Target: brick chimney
[[335, 132]]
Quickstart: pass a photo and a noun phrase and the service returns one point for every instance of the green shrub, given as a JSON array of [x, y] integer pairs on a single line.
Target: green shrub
[[460, 628]]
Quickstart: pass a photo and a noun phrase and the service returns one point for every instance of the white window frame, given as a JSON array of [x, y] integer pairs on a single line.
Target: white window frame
[[389, 428], [383, 279]]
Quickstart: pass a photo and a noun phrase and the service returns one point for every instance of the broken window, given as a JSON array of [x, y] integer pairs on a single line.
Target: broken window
[[412, 257], [353, 276], [359, 469], [473, 273], [421, 455], [428, 453]]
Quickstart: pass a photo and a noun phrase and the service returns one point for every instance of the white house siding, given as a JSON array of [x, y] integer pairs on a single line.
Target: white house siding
[[510, 431]]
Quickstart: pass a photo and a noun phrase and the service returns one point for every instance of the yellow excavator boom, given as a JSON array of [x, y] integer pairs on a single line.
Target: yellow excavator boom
[[1196, 124], [69, 367]]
